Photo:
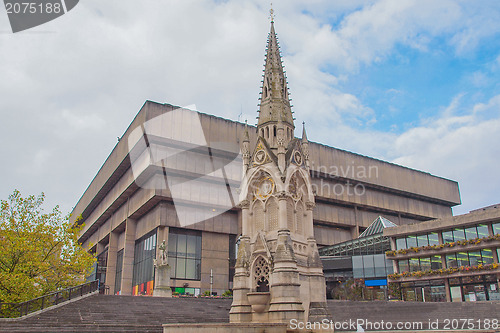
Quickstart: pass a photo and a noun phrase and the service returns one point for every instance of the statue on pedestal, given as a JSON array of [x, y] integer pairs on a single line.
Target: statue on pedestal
[[162, 273]]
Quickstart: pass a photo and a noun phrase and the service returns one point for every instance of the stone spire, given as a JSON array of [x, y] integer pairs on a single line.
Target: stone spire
[[305, 145], [275, 100], [245, 148]]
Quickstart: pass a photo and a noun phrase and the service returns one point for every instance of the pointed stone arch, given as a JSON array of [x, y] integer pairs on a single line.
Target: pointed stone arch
[[260, 273], [297, 187]]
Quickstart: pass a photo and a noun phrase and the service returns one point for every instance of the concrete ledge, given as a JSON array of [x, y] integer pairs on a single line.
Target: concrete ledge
[[225, 328]]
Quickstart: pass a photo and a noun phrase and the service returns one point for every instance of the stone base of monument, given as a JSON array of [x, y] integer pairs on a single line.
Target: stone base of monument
[[162, 281], [162, 292]]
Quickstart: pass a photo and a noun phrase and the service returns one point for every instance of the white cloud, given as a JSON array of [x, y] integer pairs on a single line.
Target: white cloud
[[463, 148]]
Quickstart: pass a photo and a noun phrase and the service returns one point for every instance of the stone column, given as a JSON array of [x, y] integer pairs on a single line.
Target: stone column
[[395, 266], [282, 214], [285, 301], [111, 268], [241, 310], [128, 257], [245, 221]]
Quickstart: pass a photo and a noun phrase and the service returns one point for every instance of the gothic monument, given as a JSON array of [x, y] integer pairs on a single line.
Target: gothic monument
[[279, 274]]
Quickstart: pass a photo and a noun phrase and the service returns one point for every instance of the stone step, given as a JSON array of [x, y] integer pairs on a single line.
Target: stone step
[[111, 313]]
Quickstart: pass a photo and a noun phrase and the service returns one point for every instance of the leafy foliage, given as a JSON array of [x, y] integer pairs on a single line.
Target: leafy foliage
[[39, 252]]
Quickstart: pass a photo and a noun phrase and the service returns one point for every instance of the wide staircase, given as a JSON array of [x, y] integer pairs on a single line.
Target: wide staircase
[[109, 313]]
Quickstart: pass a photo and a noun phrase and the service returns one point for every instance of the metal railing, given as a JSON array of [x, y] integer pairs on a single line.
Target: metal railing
[[13, 310]]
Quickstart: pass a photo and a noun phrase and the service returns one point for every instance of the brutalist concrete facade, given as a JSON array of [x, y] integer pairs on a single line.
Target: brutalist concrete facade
[[122, 204]]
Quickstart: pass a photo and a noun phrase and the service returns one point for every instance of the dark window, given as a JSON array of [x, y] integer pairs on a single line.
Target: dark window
[[403, 266], [118, 274], [487, 255], [414, 265], [144, 254], [436, 262], [451, 260], [475, 258], [184, 254], [496, 228], [462, 259], [422, 240], [433, 238], [470, 233], [459, 234], [102, 264], [447, 236], [232, 256], [482, 231], [425, 264], [411, 241]]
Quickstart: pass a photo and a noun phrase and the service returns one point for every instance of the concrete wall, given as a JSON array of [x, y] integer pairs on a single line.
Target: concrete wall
[[129, 203]]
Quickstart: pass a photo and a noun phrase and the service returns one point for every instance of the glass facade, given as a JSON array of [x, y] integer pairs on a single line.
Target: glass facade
[[119, 269], [449, 236], [420, 264], [472, 258], [460, 234], [496, 228], [474, 288], [184, 254], [371, 266], [424, 291], [480, 286], [144, 255], [410, 241]]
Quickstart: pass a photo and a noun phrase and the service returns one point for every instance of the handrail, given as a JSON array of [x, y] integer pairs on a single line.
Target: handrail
[[13, 310]]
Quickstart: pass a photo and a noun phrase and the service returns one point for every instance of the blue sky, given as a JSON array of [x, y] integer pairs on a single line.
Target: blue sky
[[413, 82]]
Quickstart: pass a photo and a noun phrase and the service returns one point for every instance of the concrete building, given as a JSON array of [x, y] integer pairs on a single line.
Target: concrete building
[[449, 259], [174, 176]]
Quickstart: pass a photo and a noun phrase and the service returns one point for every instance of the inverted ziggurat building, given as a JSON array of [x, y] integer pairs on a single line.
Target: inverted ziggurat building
[[178, 175]]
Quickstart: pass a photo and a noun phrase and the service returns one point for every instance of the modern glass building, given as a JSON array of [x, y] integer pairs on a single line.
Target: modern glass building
[[450, 259], [358, 269]]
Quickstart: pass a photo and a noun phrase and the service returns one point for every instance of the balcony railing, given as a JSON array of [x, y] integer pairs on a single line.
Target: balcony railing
[[13, 310]]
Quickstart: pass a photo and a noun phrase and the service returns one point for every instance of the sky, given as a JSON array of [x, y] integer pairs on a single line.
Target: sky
[[413, 82]]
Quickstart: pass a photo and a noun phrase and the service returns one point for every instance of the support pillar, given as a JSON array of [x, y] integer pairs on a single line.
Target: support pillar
[[128, 257], [111, 267]]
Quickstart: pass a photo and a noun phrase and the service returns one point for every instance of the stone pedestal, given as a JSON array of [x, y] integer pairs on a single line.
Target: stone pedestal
[[162, 281]]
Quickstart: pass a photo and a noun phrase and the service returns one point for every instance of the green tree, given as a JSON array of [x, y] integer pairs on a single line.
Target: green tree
[[39, 252]]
